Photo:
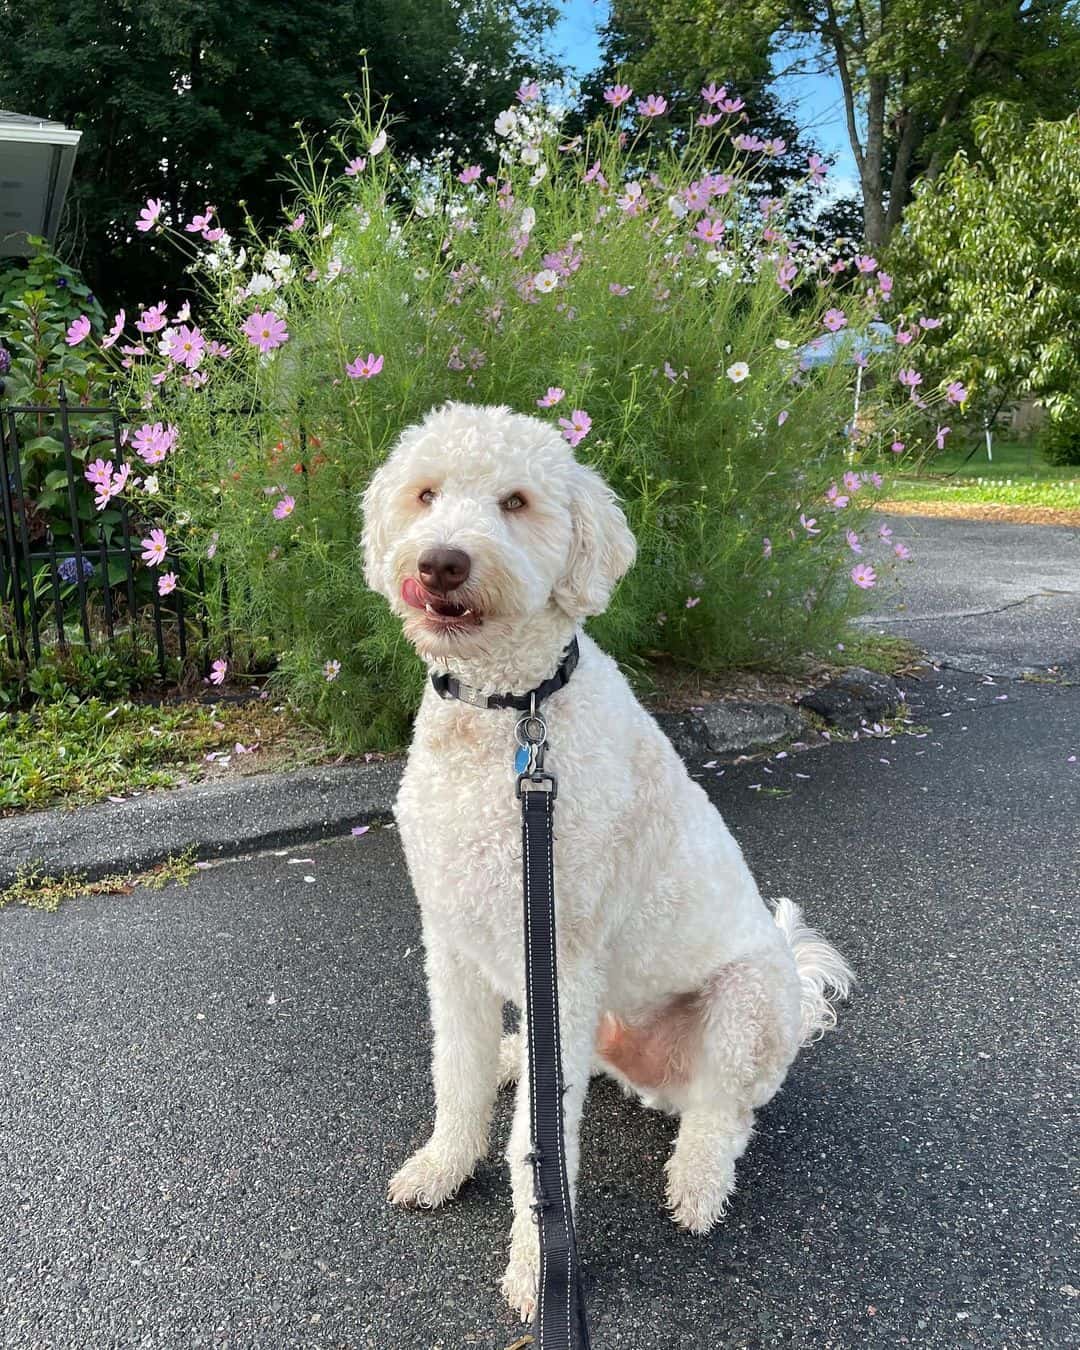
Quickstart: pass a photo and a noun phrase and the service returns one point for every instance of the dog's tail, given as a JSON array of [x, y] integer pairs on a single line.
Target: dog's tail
[[824, 976]]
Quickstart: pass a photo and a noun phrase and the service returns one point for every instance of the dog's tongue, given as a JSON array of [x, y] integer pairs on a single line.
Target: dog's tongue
[[413, 593]]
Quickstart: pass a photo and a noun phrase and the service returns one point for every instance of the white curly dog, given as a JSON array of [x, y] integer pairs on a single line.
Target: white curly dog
[[493, 544]]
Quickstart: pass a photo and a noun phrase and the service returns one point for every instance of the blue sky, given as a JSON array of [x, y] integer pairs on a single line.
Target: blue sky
[[816, 98]]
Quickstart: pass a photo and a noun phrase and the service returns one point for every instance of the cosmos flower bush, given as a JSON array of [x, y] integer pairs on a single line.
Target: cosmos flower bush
[[632, 285]]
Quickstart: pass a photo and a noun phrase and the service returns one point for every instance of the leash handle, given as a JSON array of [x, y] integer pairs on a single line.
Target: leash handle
[[560, 1307]]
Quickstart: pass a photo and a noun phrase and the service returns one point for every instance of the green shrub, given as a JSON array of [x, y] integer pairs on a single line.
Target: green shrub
[[585, 266], [1061, 443]]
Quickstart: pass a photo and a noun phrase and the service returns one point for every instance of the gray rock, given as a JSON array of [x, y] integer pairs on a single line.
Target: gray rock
[[852, 697], [734, 728]]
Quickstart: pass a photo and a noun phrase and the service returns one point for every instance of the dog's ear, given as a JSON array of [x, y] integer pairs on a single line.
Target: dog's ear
[[601, 548], [375, 538]]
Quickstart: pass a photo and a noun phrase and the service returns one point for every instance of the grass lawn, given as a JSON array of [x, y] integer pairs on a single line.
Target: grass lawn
[[1017, 476], [83, 752]]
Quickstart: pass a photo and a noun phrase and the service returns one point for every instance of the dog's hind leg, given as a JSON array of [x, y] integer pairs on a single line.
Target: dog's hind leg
[[466, 1015], [749, 1036]]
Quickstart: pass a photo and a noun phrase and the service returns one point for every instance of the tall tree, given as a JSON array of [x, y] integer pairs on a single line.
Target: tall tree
[[631, 46], [910, 70], [993, 247], [195, 102]]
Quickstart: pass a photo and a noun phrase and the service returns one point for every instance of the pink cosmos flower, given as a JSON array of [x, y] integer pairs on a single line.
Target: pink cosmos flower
[[864, 576], [575, 427], [786, 274], [197, 224], [836, 499], [864, 263], [594, 175], [284, 508], [782, 417], [732, 105], [939, 436], [902, 552], [910, 377], [554, 395], [155, 548], [528, 91], [218, 671], [216, 348], [817, 168], [692, 600], [766, 547], [167, 583], [708, 119], [956, 393], [897, 447], [885, 532], [153, 442], [834, 320], [363, 368], [719, 184], [265, 331], [904, 336], [924, 322], [212, 236], [355, 166], [297, 223], [114, 332], [99, 473], [331, 670], [809, 525], [653, 106], [148, 216], [776, 146], [884, 281], [617, 288], [852, 482], [710, 229], [617, 94], [712, 95], [152, 319], [469, 174], [79, 331], [853, 542], [185, 345]]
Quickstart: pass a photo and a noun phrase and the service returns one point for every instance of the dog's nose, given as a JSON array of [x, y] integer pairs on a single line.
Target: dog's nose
[[444, 569]]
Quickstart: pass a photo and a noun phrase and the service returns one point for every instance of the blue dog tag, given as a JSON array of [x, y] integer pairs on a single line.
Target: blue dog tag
[[521, 759]]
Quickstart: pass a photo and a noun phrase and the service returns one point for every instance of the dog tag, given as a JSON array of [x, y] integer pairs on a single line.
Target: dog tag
[[521, 759]]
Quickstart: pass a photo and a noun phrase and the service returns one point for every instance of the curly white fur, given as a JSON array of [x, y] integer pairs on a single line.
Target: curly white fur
[[672, 969]]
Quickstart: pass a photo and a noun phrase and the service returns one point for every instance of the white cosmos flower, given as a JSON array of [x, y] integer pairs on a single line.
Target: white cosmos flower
[[421, 274], [677, 207], [378, 145], [738, 372], [546, 281], [150, 484], [506, 122], [530, 155], [528, 220], [539, 174], [425, 206], [782, 344], [259, 284]]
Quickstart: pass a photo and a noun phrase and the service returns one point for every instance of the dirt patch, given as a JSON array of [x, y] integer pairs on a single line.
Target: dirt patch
[[1015, 515]]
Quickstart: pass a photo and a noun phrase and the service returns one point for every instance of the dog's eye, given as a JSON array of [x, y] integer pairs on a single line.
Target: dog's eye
[[427, 496], [513, 503]]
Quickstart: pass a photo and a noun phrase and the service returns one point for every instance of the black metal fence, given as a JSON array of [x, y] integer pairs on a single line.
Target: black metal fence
[[70, 573]]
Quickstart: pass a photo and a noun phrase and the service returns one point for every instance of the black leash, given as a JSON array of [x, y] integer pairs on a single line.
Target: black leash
[[560, 1306]]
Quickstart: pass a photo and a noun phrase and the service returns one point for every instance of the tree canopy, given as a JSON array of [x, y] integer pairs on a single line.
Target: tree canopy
[[911, 71], [993, 247], [194, 102]]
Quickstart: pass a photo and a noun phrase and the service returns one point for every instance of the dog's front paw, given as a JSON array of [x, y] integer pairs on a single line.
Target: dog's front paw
[[522, 1278], [428, 1179], [698, 1196]]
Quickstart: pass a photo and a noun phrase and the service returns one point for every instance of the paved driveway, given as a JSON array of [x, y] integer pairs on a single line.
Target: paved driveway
[[203, 1090]]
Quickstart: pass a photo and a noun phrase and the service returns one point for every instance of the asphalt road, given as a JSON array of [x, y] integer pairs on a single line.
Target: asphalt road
[[203, 1090], [989, 597]]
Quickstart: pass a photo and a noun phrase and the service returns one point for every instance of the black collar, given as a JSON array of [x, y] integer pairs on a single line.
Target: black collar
[[449, 686]]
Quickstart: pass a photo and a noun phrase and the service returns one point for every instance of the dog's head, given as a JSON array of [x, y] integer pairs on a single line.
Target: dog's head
[[481, 517]]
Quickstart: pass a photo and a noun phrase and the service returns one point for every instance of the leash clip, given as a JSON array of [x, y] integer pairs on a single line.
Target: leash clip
[[531, 734]]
